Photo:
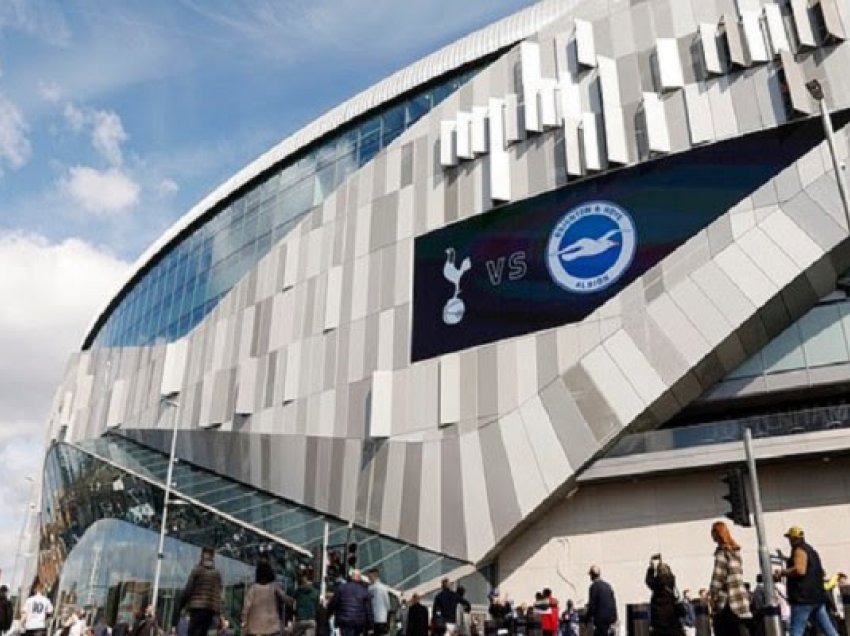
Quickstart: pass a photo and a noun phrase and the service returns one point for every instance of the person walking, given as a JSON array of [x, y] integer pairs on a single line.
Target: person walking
[[689, 620], [379, 596], [352, 607], [806, 593], [202, 594], [664, 620], [730, 606], [306, 601], [35, 612], [7, 612], [445, 609], [416, 618], [601, 603], [261, 609]]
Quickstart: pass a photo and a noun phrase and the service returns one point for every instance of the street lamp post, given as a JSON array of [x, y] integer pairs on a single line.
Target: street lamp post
[[816, 91], [172, 403]]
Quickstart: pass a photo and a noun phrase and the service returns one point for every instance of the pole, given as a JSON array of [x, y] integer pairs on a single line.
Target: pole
[[323, 585], [829, 133], [160, 553], [772, 624]]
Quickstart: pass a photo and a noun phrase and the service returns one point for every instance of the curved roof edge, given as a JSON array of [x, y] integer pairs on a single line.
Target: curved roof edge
[[489, 39]]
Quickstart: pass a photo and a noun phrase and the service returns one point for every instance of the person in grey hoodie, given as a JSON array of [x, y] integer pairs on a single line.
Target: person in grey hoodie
[[202, 594]]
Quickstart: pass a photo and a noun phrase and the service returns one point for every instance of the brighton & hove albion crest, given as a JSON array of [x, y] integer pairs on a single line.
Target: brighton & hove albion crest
[[454, 309], [591, 247]]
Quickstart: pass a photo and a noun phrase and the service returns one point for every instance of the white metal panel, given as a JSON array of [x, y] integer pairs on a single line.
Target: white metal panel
[[738, 50], [709, 34], [609, 81], [776, 28], [585, 43], [658, 136], [246, 386], [754, 35], [548, 98], [333, 298], [450, 389], [448, 143], [174, 366], [699, 113], [117, 404], [669, 63], [593, 136], [293, 371], [795, 78], [464, 135], [500, 164], [832, 18], [572, 145], [616, 140], [381, 412], [513, 128], [479, 130], [803, 23], [530, 70], [290, 266]]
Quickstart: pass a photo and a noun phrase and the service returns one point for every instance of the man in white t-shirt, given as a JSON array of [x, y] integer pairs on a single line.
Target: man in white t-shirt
[[35, 612]]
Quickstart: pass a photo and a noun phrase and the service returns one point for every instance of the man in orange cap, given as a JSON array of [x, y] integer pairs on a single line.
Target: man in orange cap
[[806, 594]]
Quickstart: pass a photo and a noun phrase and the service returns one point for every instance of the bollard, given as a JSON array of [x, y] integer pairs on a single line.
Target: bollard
[[637, 619], [702, 620]]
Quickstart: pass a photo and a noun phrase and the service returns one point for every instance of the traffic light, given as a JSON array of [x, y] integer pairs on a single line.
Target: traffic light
[[739, 511], [351, 559], [334, 567]]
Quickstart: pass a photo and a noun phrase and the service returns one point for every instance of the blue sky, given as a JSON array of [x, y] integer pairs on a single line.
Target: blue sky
[[116, 116]]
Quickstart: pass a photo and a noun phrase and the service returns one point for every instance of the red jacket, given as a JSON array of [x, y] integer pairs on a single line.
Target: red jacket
[[549, 621]]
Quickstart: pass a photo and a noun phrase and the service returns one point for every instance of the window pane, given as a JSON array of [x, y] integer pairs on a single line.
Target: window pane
[[823, 336]]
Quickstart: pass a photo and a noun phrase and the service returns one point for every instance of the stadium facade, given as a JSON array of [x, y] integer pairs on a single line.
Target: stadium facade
[[500, 316]]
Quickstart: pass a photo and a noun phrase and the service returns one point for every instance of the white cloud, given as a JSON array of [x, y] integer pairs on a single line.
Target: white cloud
[[107, 131], [52, 291], [101, 192], [41, 19], [167, 187], [15, 148], [108, 135], [50, 91], [75, 117]]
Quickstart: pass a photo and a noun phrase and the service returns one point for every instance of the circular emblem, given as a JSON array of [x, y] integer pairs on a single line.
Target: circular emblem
[[591, 247], [453, 311]]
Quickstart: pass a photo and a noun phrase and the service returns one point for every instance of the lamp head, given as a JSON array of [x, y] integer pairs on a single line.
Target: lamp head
[[815, 89]]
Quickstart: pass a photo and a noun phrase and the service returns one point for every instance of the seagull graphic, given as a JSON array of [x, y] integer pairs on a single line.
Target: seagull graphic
[[584, 247]]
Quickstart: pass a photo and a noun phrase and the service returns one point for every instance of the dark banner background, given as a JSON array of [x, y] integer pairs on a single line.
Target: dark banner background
[[670, 199]]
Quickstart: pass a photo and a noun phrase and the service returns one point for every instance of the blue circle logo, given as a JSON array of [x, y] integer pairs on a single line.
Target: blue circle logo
[[591, 247]]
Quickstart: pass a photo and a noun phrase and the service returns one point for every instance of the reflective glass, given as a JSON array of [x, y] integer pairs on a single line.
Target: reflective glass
[[291, 522], [178, 291]]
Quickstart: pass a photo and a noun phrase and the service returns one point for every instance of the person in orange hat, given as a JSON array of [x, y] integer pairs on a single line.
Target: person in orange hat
[[806, 593]]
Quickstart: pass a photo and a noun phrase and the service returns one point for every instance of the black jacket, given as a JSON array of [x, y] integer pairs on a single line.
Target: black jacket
[[417, 620], [601, 604], [445, 605], [662, 603], [203, 589], [351, 605], [6, 612]]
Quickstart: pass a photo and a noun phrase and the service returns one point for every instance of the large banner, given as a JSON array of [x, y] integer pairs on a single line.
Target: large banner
[[554, 258]]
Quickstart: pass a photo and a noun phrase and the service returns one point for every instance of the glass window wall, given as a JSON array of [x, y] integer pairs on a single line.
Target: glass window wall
[[178, 291]]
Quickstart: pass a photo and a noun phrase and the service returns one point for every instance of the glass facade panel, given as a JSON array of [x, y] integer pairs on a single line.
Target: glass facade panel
[[823, 337], [784, 352], [291, 522], [178, 291]]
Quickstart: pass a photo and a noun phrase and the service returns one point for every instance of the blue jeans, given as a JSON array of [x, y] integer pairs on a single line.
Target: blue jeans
[[800, 615]]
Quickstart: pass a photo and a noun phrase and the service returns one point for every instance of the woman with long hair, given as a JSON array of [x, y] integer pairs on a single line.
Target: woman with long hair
[[261, 612], [664, 620], [730, 604]]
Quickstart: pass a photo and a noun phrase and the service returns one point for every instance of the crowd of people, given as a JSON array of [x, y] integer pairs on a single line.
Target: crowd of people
[[359, 605]]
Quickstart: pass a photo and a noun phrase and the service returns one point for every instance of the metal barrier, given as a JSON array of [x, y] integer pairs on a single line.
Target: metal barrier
[[637, 619]]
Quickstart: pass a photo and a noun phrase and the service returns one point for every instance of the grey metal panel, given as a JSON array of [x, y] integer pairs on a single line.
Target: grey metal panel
[[500, 488], [452, 514], [569, 423], [592, 404], [409, 525], [379, 480]]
